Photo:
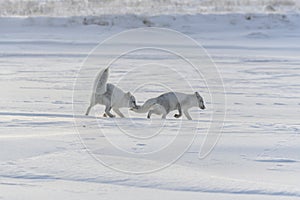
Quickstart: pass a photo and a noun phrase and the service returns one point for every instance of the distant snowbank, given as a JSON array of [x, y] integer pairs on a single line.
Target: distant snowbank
[[204, 22], [144, 7]]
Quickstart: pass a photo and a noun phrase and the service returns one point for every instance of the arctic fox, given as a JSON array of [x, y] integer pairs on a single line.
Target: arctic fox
[[170, 101], [110, 95]]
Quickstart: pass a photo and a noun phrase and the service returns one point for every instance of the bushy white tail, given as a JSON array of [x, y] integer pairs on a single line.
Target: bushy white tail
[[146, 106], [101, 82]]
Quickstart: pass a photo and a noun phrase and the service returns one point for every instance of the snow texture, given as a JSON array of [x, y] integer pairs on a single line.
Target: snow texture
[[42, 157]]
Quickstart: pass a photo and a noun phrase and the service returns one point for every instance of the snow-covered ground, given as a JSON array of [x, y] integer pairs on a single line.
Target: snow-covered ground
[[257, 156]]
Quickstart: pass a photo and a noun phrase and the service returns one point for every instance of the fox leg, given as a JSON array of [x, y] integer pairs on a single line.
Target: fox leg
[[186, 113], [88, 109], [116, 110], [179, 110], [107, 111], [165, 113], [149, 114], [156, 110], [164, 116]]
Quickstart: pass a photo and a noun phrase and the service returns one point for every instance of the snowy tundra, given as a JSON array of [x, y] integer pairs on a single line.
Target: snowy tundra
[[43, 157]]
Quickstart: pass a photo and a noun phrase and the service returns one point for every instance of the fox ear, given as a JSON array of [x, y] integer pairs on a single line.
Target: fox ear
[[198, 95]]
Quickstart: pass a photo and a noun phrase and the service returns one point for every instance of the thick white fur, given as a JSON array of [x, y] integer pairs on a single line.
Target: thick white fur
[[170, 101], [109, 95]]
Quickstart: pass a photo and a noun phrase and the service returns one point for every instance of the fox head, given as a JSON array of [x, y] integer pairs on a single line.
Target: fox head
[[131, 100], [200, 101]]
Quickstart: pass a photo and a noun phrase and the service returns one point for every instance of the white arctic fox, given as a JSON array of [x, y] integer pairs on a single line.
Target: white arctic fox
[[170, 101], [110, 95]]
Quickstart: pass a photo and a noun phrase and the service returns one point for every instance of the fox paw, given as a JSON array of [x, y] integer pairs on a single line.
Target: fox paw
[[177, 115], [111, 116]]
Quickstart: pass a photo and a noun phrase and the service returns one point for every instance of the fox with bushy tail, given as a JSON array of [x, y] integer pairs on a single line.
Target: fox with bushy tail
[[167, 102], [110, 95]]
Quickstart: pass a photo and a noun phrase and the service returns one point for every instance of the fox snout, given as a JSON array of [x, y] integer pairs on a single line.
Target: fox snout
[[134, 108], [203, 107]]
